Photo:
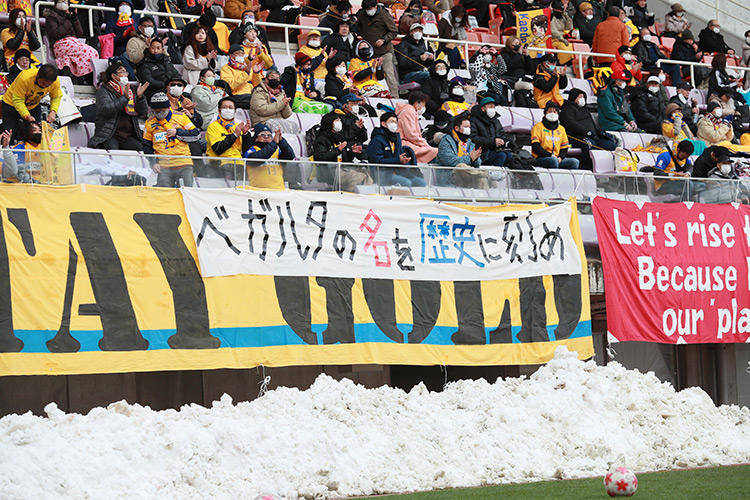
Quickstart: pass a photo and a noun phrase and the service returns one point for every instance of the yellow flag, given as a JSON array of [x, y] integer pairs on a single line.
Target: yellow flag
[[57, 168]]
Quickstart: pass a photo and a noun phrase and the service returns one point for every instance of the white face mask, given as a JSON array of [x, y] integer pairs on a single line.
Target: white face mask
[[627, 56], [581, 102], [227, 114], [314, 43], [393, 127], [458, 92], [717, 112], [124, 9], [371, 12], [725, 168], [488, 58], [747, 40], [240, 59], [467, 131], [20, 21], [621, 85], [646, 38], [337, 126], [175, 91], [417, 35], [589, 17], [441, 72], [551, 117], [653, 90], [716, 30], [682, 98], [148, 31], [662, 78], [491, 112], [124, 81], [626, 20], [420, 110], [341, 70], [680, 14], [355, 109], [61, 6], [458, 20]]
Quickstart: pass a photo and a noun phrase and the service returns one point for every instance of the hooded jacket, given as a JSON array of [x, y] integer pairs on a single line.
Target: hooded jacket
[[59, 25], [381, 26], [110, 109], [437, 88], [484, 130], [648, 110], [547, 86], [122, 33], [578, 121], [157, 70], [411, 134]]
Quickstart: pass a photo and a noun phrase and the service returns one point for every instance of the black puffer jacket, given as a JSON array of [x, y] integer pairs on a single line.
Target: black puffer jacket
[[409, 56], [484, 130], [578, 121], [648, 110], [157, 70], [437, 88], [110, 107]]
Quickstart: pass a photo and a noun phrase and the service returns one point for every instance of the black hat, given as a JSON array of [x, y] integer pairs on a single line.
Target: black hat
[[685, 86], [722, 154]]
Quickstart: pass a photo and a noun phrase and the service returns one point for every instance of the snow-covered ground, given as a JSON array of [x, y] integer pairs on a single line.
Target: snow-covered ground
[[570, 419]]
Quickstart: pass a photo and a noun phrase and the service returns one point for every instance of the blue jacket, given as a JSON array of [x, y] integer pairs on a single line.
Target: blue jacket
[[285, 151], [379, 150], [448, 157], [121, 39]]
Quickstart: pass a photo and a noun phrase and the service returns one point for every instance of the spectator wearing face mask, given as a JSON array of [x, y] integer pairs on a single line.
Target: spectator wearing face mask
[[624, 62], [487, 70], [582, 129], [167, 133], [317, 55], [725, 99], [688, 106], [206, 96], [341, 40], [412, 15], [711, 40], [517, 60], [121, 24], [331, 146], [648, 53], [180, 102], [711, 158], [226, 140], [456, 150], [713, 127], [18, 35], [248, 21], [642, 17], [410, 129], [270, 105], [240, 75], [675, 21], [685, 49], [270, 146], [237, 9], [354, 131], [560, 25], [63, 30], [585, 21], [610, 35], [549, 141], [453, 26], [674, 127], [386, 148], [414, 56], [548, 81], [718, 78], [377, 27], [437, 87], [140, 40], [442, 124], [334, 14], [338, 80], [648, 107], [299, 85], [613, 106], [455, 104], [117, 111], [367, 71], [488, 133]]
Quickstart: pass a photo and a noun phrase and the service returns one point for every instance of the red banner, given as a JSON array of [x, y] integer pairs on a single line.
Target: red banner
[[675, 273]]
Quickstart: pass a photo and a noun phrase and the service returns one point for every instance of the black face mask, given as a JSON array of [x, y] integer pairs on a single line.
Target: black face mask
[[516, 48], [274, 83], [367, 53], [558, 15], [416, 12], [441, 126], [461, 136], [36, 138]]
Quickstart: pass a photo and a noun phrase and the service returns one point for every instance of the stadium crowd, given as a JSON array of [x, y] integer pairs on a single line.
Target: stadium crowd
[[379, 50]]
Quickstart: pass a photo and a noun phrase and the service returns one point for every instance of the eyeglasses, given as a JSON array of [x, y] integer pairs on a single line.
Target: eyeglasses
[[265, 135]]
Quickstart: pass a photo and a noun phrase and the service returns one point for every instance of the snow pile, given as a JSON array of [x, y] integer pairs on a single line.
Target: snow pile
[[570, 419]]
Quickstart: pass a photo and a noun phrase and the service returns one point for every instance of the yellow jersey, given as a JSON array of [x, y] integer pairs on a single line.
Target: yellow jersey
[[269, 175], [24, 93], [156, 132], [216, 132], [551, 140]]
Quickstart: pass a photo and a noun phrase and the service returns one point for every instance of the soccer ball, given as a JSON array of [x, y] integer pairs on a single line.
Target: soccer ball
[[620, 482]]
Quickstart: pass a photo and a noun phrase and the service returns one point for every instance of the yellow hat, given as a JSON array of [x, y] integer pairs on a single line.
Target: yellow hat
[[313, 32], [584, 6]]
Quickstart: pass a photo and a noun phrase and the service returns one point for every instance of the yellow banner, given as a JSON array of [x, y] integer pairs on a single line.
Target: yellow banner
[[56, 168], [98, 279]]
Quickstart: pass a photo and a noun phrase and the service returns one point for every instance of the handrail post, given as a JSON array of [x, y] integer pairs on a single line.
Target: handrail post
[[91, 22]]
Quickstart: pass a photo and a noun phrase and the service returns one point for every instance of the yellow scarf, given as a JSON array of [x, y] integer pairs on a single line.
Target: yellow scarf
[[130, 106]]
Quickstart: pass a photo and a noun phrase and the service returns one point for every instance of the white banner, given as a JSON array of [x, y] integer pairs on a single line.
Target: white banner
[[300, 233]]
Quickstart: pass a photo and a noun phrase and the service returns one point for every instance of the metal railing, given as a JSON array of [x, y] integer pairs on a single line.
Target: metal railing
[[694, 64], [91, 8], [493, 185]]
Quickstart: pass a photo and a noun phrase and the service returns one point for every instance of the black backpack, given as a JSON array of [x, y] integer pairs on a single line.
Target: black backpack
[[310, 136]]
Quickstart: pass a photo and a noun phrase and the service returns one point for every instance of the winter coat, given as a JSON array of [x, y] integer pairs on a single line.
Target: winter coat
[[344, 48], [711, 134], [674, 24], [122, 33], [379, 149], [135, 48], [547, 87], [192, 65], [207, 102], [648, 53], [437, 6], [409, 56], [718, 79], [233, 9], [641, 17], [648, 110], [688, 117], [448, 157], [351, 132], [59, 25], [263, 108], [449, 31], [411, 135], [518, 65], [577, 121], [609, 103], [437, 88], [609, 36], [709, 42], [585, 27], [157, 70], [484, 130], [275, 14], [381, 26], [704, 164], [491, 75], [110, 107]]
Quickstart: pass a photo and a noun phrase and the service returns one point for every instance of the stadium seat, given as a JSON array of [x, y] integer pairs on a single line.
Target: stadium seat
[[207, 182]]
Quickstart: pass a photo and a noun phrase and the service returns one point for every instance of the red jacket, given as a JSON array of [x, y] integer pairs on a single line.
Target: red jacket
[[619, 65]]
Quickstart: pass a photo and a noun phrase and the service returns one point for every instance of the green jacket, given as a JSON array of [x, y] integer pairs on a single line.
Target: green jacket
[[609, 103]]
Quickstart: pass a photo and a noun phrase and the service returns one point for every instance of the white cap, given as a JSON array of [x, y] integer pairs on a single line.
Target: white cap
[[654, 79], [416, 26]]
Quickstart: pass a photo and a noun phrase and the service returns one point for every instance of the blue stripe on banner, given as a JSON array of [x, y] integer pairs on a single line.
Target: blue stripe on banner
[[36, 340]]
